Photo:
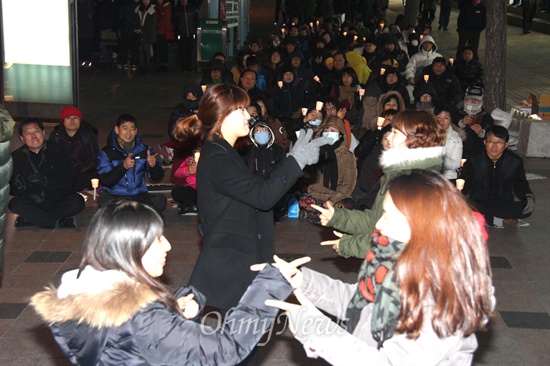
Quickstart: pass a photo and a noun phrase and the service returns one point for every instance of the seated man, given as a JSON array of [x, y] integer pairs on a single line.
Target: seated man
[[79, 138], [123, 163], [443, 80], [474, 120], [494, 179], [42, 181]]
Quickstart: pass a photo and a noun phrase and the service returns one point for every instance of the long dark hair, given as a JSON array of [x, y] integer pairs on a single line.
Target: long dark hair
[[118, 236]]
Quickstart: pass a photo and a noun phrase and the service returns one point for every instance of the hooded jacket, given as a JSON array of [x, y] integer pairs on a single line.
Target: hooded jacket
[[347, 169], [261, 159], [359, 225], [421, 59], [108, 318], [186, 108], [120, 181]]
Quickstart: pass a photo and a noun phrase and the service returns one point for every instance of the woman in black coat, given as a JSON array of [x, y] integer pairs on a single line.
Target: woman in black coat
[[234, 204]]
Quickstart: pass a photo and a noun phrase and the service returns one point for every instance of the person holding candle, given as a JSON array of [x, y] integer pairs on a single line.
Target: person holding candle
[[42, 181], [392, 81], [427, 52], [188, 133], [443, 80], [234, 204], [79, 138], [291, 97], [496, 184]]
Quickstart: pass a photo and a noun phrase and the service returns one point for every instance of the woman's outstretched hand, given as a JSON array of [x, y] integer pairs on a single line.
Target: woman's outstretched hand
[[291, 310], [335, 243], [289, 270], [326, 213]]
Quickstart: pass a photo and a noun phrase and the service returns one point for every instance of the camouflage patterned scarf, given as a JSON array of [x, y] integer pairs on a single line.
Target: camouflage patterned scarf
[[377, 284]]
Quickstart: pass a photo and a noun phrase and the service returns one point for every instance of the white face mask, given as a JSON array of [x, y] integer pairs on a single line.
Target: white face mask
[[331, 135], [472, 108], [315, 122]]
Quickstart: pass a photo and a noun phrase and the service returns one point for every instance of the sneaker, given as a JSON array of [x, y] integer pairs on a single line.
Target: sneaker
[[190, 210], [66, 223], [523, 223], [511, 225], [21, 222]]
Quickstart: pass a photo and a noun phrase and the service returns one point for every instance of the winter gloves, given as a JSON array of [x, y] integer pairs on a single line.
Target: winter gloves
[[305, 150]]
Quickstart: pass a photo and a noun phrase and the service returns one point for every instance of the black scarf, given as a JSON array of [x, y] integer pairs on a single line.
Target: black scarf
[[328, 165]]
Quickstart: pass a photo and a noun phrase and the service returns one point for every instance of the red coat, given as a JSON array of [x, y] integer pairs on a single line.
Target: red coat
[[164, 21]]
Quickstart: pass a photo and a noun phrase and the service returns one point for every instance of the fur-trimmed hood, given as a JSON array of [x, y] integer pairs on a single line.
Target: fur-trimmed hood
[[387, 96], [404, 159], [99, 298]]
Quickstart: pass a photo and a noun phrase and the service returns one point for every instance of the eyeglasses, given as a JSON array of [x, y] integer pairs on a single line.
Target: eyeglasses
[[493, 142]]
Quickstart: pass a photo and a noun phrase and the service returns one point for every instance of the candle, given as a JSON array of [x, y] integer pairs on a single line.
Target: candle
[[380, 122], [304, 111], [95, 184], [460, 184], [311, 24], [361, 93], [426, 78], [451, 61], [345, 34], [196, 156], [317, 22], [382, 71], [462, 162], [319, 106], [280, 83], [316, 78], [283, 31], [203, 87], [355, 38], [421, 36]]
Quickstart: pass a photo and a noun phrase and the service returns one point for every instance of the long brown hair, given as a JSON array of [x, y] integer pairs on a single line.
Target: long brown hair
[[420, 127], [446, 259], [218, 102]]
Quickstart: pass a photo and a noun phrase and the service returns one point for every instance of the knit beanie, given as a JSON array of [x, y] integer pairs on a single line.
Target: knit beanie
[[70, 111]]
